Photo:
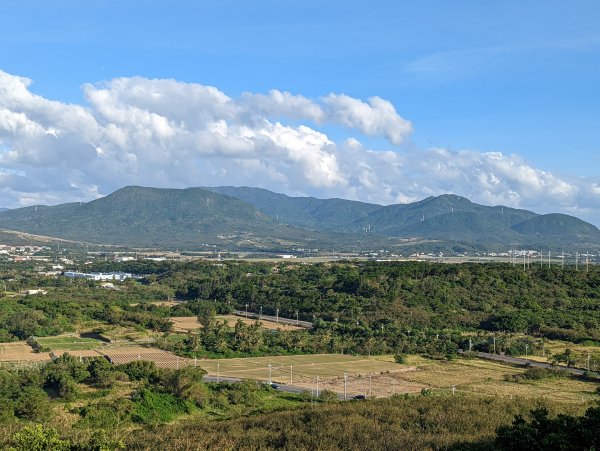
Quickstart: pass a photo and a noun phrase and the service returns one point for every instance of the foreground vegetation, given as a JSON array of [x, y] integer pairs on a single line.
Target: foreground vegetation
[[420, 313]]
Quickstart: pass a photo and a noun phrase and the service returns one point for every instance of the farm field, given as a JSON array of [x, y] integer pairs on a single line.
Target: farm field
[[386, 376], [187, 323], [487, 378], [163, 359], [70, 343], [20, 351]]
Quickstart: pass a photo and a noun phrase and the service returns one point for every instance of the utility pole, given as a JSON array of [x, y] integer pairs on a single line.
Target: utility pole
[[277, 315], [543, 347], [549, 259], [345, 383], [246, 310], [317, 385], [589, 356], [297, 322], [526, 349], [260, 312], [587, 261]]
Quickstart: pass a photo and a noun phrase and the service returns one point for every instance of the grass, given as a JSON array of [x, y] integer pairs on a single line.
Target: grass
[[323, 365], [66, 343], [487, 378]]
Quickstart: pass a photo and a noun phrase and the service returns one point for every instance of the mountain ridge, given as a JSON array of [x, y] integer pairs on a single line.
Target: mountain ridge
[[254, 218]]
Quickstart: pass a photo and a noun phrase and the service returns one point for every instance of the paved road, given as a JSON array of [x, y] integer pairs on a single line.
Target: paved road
[[524, 362]]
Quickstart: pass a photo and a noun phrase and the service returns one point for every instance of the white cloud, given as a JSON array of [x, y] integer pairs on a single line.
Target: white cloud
[[168, 133]]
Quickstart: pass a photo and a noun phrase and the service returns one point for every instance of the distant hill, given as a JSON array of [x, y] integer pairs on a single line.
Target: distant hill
[[307, 212], [447, 217], [153, 217], [256, 219]]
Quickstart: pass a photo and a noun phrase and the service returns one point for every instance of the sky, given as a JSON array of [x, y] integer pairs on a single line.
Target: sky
[[379, 101]]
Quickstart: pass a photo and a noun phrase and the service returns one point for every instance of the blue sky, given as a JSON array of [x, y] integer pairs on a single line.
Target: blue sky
[[516, 78]]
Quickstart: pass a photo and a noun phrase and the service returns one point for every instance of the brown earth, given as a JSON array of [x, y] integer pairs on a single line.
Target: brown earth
[[187, 323], [20, 351]]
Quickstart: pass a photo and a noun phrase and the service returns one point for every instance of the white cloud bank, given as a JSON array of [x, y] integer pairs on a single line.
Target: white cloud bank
[[169, 133]]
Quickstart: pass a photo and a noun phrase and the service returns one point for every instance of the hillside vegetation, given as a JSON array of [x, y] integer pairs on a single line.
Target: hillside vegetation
[[259, 220]]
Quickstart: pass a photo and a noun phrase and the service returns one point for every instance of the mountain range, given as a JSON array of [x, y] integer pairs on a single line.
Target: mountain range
[[243, 218]]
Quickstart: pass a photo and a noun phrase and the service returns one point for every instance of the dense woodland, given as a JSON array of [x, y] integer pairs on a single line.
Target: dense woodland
[[357, 307]]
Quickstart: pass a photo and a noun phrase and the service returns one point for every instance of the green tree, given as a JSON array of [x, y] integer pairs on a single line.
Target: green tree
[[38, 438]]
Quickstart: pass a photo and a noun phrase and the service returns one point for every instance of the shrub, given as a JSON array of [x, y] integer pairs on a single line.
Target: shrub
[[153, 407], [38, 438], [328, 396], [536, 374], [32, 404], [140, 370], [400, 358]]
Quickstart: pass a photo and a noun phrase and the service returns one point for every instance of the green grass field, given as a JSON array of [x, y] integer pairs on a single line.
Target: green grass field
[[67, 343]]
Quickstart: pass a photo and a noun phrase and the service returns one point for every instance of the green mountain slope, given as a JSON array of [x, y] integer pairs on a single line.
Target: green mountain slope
[[307, 212], [447, 217], [138, 216], [197, 218], [553, 226]]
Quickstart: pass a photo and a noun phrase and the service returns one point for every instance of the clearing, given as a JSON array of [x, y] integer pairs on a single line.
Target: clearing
[[486, 378], [20, 352], [187, 323]]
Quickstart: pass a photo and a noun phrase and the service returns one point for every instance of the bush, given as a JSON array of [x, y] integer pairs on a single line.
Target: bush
[[536, 374], [153, 407], [38, 438], [32, 404], [400, 358], [106, 414], [328, 396], [140, 370]]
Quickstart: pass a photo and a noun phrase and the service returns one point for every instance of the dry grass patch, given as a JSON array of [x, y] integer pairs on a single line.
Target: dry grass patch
[[488, 378], [20, 351], [187, 323]]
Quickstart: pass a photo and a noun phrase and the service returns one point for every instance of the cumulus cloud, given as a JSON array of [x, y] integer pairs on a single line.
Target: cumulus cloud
[[168, 133]]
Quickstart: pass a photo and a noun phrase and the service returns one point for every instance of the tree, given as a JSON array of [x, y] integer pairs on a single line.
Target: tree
[[206, 314]]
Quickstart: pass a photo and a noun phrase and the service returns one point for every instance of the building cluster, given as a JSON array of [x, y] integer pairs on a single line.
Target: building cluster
[[23, 253], [117, 276]]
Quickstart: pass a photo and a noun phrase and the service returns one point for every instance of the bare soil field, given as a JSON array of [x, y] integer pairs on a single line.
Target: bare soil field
[[309, 366], [187, 323], [20, 351]]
